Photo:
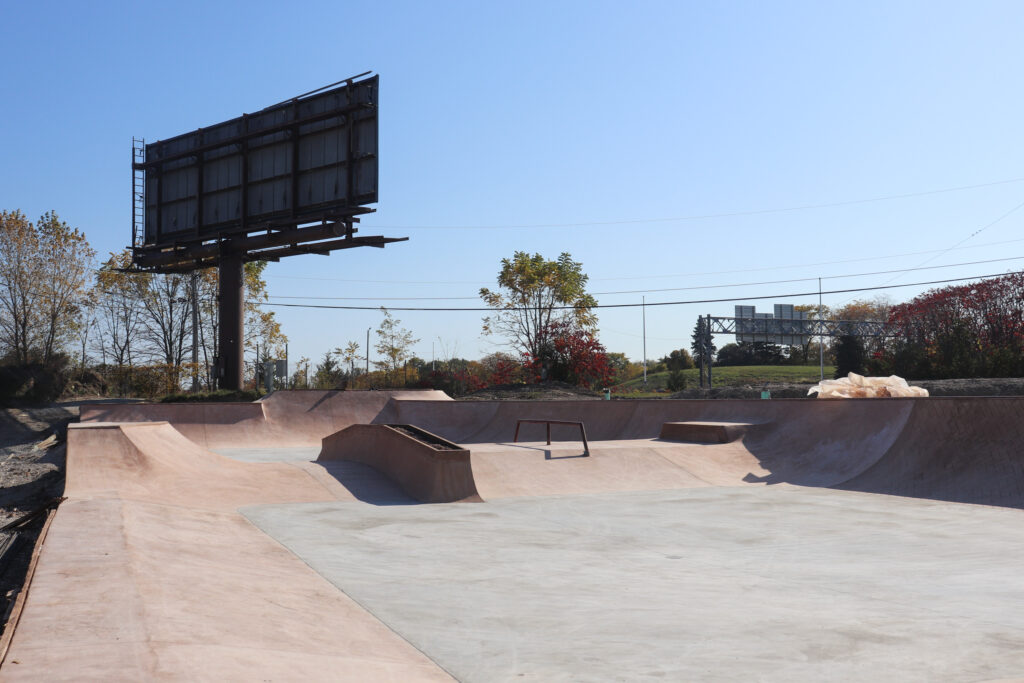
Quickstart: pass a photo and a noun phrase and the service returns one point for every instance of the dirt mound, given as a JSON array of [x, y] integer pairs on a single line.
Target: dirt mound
[[544, 391]]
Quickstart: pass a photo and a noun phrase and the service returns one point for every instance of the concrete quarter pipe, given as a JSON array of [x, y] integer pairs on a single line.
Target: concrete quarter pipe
[[649, 558]]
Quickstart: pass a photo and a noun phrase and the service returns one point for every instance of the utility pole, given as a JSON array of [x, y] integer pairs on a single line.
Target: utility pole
[[821, 346], [643, 309], [367, 353]]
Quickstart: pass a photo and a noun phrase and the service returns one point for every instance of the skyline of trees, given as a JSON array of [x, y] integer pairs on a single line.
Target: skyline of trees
[[56, 303]]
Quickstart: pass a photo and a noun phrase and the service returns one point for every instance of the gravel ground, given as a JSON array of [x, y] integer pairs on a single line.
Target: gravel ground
[[32, 448]]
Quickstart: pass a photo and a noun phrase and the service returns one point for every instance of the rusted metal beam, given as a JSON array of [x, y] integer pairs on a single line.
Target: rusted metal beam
[[185, 260]]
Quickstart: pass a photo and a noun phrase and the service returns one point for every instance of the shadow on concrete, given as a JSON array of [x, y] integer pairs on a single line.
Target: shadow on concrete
[[367, 484], [960, 450], [549, 456]]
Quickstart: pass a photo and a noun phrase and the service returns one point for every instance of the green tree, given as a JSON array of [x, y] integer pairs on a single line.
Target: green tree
[[261, 327], [850, 356], [676, 380], [679, 359], [530, 298], [700, 354], [620, 364], [349, 355], [394, 346], [328, 374]]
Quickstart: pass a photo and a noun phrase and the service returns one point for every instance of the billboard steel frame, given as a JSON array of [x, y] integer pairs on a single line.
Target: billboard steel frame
[[290, 179]]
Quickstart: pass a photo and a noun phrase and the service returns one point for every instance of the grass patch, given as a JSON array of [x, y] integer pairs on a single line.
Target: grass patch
[[731, 376]]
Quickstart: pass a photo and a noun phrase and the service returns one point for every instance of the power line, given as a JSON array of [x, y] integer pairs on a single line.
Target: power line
[[728, 214], [657, 277], [635, 305], [958, 244], [649, 291], [973, 234]]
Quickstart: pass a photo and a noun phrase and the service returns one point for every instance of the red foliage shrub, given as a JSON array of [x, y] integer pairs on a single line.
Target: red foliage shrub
[[572, 355]]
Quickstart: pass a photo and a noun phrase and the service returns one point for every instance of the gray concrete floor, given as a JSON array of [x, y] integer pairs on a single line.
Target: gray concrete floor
[[297, 454], [775, 583]]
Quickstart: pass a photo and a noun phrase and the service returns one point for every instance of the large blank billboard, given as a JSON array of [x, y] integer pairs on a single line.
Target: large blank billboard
[[301, 161]]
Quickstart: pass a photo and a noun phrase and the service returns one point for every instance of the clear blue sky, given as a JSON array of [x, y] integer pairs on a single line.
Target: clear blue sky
[[541, 113]]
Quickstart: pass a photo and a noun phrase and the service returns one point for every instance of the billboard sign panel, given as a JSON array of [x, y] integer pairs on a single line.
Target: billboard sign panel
[[786, 326], [306, 160]]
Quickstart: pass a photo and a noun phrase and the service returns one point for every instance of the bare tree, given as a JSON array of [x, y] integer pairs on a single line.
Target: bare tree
[[119, 308], [19, 275], [66, 262], [167, 317], [44, 276]]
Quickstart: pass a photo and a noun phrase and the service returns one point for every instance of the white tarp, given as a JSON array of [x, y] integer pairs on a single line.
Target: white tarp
[[858, 386]]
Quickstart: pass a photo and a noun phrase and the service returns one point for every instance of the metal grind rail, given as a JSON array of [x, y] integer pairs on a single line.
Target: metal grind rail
[[548, 423]]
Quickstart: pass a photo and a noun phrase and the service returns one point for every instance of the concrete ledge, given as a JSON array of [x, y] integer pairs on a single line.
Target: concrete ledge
[[704, 432], [425, 466]]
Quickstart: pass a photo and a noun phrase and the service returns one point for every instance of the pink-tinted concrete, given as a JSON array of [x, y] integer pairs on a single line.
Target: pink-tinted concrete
[[428, 474], [703, 432], [151, 572], [284, 418]]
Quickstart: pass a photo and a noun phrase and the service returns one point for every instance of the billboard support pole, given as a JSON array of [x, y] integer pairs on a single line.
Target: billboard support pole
[[231, 319], [195, 331]]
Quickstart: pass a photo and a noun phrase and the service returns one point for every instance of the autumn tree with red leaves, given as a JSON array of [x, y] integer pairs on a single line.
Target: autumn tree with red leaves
[[972, 330], [569, 353]]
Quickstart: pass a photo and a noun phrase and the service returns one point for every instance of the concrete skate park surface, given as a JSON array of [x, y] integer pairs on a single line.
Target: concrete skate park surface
[[770, 557]]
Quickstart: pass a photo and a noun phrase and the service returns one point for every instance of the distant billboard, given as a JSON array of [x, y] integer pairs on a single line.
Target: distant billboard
[[785, 326], [305, 160]]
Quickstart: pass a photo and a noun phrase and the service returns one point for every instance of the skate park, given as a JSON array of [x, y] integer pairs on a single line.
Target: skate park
[[286, 538]]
